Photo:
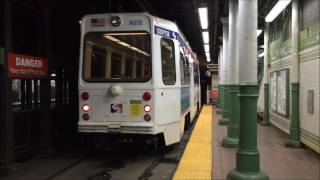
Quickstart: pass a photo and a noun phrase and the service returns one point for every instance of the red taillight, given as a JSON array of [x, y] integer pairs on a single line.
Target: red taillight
[[85, 117], [146, 96], [147, 108], [85, 96], [85, 108], [147, 117]]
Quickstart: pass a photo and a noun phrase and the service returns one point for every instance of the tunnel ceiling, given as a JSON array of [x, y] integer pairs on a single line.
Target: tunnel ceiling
[[183, 12]]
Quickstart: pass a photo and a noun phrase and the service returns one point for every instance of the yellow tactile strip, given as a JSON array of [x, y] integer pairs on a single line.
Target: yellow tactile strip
[[196, 162]]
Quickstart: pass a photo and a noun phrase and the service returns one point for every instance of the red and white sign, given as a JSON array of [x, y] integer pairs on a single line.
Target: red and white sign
[[23, 66], [212, 66]]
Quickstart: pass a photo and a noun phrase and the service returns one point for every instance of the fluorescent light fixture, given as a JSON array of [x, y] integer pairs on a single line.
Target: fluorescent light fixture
[[205, 36], [125, 34], [207, 54], [259, 31], [208, 59], [277, 9], [53, 75], [126, 45], [261, 54], [203, 15], [206, 48]]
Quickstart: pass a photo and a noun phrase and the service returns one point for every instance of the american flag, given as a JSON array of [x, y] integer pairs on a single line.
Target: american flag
[[98, 22]]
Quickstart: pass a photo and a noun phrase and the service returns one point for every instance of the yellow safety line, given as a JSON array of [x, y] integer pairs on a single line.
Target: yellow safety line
[[196, 162]]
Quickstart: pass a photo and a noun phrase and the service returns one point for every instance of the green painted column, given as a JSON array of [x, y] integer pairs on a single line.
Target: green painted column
[[218, 100], [266, 77], [232, 138], [248, 158], [221, 79], [221, 95], [266, 121], [294, 141], [226, 101], [225, 72], [7, 144]]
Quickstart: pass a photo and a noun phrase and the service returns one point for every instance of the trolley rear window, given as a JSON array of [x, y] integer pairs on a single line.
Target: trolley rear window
[[117, 57]]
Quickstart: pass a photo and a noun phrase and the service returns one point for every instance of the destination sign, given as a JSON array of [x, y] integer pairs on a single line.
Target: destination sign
[[168, 34]]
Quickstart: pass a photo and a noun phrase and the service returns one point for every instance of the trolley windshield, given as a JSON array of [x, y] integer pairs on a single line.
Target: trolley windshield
[[117, 57]]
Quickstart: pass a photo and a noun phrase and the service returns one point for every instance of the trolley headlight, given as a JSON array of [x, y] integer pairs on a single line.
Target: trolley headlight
[[86, 108], [115, 21]]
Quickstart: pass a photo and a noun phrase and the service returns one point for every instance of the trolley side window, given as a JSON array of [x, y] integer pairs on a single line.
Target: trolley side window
[[117, 57], [168, 62], [185, 70], [196, 74]]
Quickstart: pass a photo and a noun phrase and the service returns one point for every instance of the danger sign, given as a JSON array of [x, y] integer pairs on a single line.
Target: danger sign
[[23, 66]]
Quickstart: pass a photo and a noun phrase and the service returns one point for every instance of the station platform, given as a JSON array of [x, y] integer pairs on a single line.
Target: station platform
[[276, 160]]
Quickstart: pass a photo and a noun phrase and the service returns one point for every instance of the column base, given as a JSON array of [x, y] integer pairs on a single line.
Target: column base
[[237, 175], [265, 123], [230, 142], [293, 144], [224, 121]]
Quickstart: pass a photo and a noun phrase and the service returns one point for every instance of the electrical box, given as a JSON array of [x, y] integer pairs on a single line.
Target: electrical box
[[310, 101]]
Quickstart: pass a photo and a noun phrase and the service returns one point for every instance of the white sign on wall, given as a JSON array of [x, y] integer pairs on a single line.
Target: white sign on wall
[[282, 92], [279, 92], [273, 91]]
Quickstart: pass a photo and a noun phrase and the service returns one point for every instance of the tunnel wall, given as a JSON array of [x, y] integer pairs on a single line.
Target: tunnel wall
[[280, 56]]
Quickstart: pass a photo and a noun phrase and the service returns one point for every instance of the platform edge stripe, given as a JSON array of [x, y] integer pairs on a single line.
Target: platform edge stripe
[[192, 166]]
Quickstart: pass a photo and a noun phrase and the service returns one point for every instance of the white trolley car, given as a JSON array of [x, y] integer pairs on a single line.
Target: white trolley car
[[138, 77]]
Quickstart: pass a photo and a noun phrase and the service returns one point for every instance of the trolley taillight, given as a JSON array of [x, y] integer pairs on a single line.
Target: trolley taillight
[[146, 96], [147, 117], [85, 96], [85, 116]]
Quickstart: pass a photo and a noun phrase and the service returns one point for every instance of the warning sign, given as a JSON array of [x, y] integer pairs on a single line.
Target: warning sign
[[23, 66], [135, 108]]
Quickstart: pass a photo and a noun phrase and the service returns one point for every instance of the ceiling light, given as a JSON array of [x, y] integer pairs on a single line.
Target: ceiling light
[[207, 54], [126, 44], [205, 36], [277, 9], [125, 34], [206, 48], [259, 31], [208, 59], [203, 15]]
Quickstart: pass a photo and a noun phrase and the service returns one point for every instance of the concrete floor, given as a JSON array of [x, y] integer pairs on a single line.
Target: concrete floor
[[279, 162]]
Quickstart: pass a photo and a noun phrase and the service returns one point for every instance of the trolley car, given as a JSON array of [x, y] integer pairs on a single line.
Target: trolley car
[[137, 76]]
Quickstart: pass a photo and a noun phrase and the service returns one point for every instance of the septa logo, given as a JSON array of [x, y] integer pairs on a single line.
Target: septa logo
[[116, 108]]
